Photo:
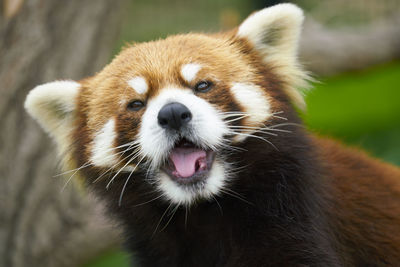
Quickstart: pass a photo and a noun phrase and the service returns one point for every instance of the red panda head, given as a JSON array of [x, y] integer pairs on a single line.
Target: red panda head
[[172, 112]]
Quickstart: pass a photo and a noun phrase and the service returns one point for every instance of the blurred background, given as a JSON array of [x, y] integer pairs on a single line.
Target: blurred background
[[351, 47]]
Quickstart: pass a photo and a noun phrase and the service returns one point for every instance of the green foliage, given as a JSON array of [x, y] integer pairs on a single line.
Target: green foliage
[[355, 103], [112, 258], [361, 108]]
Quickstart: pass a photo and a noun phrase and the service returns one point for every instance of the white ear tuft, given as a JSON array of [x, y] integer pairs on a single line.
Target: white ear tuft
[[274, 32], [275, 27], [53, 105]]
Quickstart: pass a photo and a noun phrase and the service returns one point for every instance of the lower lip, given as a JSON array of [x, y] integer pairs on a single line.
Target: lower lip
[[197, 176]]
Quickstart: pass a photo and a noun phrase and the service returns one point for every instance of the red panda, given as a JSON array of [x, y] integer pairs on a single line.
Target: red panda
[[195, 145]]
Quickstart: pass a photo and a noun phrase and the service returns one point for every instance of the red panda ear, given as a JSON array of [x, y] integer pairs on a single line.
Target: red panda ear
[[274, 32], [53, 105]]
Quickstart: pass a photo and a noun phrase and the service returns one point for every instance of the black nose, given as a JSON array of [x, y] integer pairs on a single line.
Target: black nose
[[174, 116]]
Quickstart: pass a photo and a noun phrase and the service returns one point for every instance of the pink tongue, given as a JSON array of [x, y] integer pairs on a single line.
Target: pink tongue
[[185, 160]]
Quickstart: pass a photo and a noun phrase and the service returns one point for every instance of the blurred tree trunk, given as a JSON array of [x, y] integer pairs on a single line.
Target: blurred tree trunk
[[40, 41], [326, 51]]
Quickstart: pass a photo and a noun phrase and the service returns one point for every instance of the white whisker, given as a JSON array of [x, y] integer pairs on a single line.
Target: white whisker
[[236, 119], [235, 195], [258, 137], [126, 164], [219, 206], [151, 200], [116, 164], [158, 224], [255, 129], [127, 180], [279, 117], [287, 124], [89, 163], [170, 218]]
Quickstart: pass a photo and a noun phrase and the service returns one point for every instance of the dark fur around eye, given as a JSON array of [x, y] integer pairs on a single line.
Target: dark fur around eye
[[135, 105], [203, 86]]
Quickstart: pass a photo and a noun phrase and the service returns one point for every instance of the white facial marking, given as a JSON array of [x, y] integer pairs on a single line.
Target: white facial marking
[[189, 71], [215, 181], [186, 196], [103, 150], [139, 84], [255, 103], [207, 126], [206, 129], [172, 191]]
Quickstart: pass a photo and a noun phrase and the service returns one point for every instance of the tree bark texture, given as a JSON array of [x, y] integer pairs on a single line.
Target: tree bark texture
[[42, 41]]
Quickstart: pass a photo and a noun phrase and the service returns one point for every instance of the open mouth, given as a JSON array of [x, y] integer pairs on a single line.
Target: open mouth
[[188, 163]]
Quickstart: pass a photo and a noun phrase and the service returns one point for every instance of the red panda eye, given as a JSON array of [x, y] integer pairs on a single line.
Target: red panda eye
[[203, 86], [135, 105]]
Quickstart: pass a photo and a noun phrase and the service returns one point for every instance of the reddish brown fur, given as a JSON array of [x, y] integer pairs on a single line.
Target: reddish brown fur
[[105, 95], [279, 197], [363, 193], [364, 204]]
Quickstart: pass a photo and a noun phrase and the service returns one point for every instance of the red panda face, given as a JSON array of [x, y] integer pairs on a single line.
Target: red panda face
[[173, 111]]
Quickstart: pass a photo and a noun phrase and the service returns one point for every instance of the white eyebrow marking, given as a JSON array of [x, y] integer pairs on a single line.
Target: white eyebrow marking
[[139, 84], [189, 71]]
